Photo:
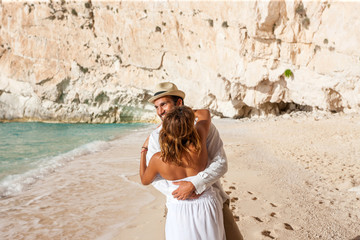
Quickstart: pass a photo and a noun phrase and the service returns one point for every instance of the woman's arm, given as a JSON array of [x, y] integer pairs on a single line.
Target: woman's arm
[[148, 173]]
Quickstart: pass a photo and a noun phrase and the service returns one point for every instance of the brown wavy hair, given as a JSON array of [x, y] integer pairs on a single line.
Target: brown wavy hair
[[177, 135]]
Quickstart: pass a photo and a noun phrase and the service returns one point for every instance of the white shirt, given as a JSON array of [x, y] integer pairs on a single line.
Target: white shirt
[[216, 168]]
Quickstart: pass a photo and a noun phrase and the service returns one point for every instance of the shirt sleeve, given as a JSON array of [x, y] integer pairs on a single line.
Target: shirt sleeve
[[153, 146], [217, 165]]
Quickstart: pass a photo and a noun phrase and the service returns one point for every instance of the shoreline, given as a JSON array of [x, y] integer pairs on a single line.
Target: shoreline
[[31, 120], [40, 164], [88, 198]]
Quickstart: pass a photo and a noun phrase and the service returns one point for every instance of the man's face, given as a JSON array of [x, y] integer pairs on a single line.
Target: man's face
[[163, 105]]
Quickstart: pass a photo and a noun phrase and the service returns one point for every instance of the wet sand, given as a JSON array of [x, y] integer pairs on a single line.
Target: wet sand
[[289, 178]]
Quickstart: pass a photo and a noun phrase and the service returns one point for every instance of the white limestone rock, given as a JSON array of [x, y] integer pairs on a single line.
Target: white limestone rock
[[98, 61]]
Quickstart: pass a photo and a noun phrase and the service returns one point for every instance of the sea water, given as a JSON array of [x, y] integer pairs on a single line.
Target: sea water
[[70, 181], [29, 151]]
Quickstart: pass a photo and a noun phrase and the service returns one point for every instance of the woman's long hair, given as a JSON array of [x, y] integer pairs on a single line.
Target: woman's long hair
[[177, 135]]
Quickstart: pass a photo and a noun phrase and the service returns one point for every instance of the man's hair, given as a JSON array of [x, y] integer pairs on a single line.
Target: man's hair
[[178, 136], [176, 98]]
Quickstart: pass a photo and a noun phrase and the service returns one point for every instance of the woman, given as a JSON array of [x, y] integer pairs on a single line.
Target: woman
[[183, 155]]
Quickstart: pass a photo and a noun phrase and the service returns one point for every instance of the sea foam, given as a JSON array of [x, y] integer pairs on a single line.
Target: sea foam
[[14, 184]]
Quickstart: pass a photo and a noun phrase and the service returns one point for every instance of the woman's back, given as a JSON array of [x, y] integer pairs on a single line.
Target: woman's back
[[191, 166], [183, 144]]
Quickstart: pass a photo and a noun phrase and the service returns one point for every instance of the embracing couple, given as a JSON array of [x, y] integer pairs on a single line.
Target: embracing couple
[[184, 159]]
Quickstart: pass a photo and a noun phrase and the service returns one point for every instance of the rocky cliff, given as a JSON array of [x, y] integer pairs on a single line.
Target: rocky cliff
[[97, 61]]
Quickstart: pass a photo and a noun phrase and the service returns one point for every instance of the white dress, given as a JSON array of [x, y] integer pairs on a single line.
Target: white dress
[[197, 219]]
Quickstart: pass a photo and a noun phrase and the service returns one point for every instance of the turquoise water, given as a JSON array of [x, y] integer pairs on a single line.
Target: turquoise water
[[29, 148]]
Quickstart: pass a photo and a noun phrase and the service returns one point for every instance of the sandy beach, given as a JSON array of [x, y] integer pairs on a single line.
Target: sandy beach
[[289, 177]]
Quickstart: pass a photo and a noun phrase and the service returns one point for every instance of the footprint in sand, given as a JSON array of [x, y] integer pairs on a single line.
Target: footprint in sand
[[267, 233], [233, 199], [258, 219], [288, 227]]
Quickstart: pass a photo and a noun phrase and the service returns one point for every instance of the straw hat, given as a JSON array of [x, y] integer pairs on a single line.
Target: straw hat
[[166, 89]]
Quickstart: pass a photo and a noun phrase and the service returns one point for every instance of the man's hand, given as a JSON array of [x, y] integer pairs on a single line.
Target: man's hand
[[186, 190], [146, 143]]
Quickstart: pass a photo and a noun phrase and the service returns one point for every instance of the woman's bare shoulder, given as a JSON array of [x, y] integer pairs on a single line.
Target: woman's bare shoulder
[[156, 157]]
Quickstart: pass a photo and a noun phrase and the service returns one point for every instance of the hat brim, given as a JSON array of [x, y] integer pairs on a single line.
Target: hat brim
[[177, 93]]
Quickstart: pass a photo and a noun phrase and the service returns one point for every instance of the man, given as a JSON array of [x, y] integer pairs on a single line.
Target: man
[[166, 97]]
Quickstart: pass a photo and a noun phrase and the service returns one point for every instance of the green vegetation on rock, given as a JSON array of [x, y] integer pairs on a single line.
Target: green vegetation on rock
[[288, 73]]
